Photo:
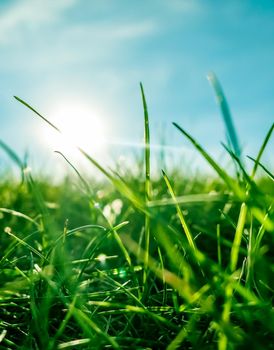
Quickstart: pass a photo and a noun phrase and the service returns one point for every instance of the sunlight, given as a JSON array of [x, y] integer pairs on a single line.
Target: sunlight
[[80, 126]]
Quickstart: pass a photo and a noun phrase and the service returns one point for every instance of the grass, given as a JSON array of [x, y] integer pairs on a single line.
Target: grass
[[172, 262]]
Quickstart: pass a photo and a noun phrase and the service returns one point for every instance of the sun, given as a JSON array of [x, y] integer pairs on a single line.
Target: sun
[[80, 125]]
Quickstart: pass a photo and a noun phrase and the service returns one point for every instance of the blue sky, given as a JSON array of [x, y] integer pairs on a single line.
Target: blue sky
[[60, 55]]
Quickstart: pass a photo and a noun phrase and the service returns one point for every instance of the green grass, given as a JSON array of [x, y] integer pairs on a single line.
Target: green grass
[[167, 262]]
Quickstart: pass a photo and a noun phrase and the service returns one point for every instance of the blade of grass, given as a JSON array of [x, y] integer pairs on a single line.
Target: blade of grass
[[191, 198], [257, 163], [219, 251], [23, 243], [261, 231], [12, 247], [147, 147], [263, 217], [250, 262], [20, 215], [223, 339], [256, 196], [258, 158], [238, 237], [34, 309], [226, 113], [73, 343], [84, 182], [180, 213], [71, 232], [40, 115], [147, 182]]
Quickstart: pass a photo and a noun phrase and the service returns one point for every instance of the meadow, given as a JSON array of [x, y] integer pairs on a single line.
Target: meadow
[[134, 261]]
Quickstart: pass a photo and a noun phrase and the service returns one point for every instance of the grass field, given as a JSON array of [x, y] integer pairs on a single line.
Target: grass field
[[173, 262]]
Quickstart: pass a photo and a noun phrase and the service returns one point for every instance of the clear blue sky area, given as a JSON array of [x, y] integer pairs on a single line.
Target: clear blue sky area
[[66, 53]]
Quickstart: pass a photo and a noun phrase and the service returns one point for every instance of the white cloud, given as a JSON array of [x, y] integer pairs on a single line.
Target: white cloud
[[29, 14], [133, 30], [185, 6], [113, 30], [25, 17]]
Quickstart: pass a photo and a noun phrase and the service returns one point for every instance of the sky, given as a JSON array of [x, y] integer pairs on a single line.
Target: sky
[[79, 63]]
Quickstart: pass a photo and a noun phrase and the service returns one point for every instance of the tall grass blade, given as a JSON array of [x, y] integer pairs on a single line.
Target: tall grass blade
[[147, 182], [226, 113], [147, 146]]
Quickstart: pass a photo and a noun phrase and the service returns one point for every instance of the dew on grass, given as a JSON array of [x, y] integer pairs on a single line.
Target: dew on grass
[[97, 205], [122, 273], [101, 258]]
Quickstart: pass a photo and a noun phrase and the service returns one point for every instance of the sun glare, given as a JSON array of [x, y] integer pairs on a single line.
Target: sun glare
[[80, 126]]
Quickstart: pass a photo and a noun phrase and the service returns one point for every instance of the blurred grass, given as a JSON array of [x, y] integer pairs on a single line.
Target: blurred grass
[[41, 280], [173, 262]]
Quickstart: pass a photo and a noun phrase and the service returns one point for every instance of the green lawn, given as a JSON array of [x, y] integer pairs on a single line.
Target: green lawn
[[173, 262]]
